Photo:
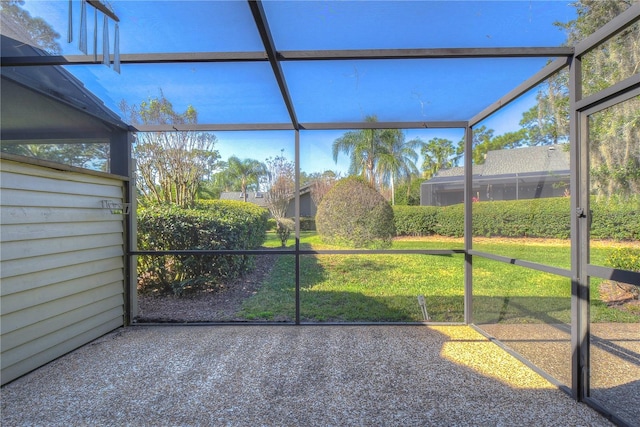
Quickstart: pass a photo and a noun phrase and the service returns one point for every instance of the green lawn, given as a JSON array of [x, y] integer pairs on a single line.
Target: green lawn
[[379, 288]]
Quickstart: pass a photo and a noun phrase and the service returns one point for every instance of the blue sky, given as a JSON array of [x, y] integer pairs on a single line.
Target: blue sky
[[411, 90]]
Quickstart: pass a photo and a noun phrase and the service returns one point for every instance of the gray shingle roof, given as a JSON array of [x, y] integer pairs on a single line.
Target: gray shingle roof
[[458, 171], [545, 158]]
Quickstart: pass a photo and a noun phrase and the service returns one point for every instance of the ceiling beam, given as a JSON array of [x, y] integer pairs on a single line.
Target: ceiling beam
[[384, 125], [295, 55], [224, 127], [138, 58], [440, 53], [267, 40], [212, 127]]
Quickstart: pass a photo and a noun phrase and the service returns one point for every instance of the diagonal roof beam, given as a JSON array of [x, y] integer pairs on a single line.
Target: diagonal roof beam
[[530, 83], [265, 34], [609, 30]]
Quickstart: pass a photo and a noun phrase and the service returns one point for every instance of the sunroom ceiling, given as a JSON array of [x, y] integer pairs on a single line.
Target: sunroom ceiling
[[332, 62]]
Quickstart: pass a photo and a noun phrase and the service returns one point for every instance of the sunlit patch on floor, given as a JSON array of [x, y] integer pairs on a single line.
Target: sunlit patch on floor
[[469, 348]]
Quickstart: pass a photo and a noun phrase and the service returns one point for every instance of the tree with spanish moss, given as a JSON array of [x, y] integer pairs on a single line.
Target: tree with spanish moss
[[614, 134]]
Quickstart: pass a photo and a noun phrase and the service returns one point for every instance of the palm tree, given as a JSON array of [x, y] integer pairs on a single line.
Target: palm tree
[[438, 154], [398, 158], [365, 147], [242, 173]]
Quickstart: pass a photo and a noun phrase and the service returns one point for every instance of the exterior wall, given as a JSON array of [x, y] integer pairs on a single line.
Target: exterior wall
[[307, 207], [62, 265]]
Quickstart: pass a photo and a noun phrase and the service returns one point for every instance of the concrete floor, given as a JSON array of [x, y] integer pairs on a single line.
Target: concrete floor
[[290, 376]]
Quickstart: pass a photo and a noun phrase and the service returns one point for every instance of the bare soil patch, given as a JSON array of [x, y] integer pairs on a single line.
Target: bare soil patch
[[619, 295], [208, 305]]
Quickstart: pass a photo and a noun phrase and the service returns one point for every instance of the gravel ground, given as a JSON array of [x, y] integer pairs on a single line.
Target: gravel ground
[[615, 358], [290, 376]]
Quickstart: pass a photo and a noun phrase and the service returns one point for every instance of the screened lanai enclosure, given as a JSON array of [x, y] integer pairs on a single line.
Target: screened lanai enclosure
[[521, 118]]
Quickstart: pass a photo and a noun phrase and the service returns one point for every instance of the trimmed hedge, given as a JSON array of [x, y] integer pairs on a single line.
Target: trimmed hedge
[[615, 220], [211, 225], [547, 218], [523, 218], [416, 220]]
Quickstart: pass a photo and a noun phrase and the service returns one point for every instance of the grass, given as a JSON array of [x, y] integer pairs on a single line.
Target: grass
[[384, 288]]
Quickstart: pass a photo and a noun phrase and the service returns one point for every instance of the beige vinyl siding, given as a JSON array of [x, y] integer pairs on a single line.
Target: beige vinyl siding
[[62, 263]]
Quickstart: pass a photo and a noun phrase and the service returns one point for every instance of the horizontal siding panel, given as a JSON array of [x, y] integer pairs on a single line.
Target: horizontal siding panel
[[36, 248], [24, 366], [44, 215], [113, 305], [48, 262], [14, 232], [29, 298], [62, 265], [40, 279], [19, 175], [26, 198], [16, 320], [31, 348]]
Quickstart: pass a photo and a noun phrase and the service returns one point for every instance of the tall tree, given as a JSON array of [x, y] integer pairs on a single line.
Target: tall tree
[[281, 186], [591, 15], [18, 23], [170, 165], [481, 143], [88, 155], [437, 154], [398, 159], [547, 122], [364, 147], [241, 174], [408, 193], [614, 134]]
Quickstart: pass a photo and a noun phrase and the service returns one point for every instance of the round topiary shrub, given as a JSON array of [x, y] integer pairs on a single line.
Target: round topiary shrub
[[354, 214]]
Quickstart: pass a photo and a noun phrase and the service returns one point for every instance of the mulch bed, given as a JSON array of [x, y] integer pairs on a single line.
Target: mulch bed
[[210, 305]]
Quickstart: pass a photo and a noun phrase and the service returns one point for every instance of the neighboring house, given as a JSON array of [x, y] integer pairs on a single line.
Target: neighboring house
[[255, 197], [307, 207], [521, 173]]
